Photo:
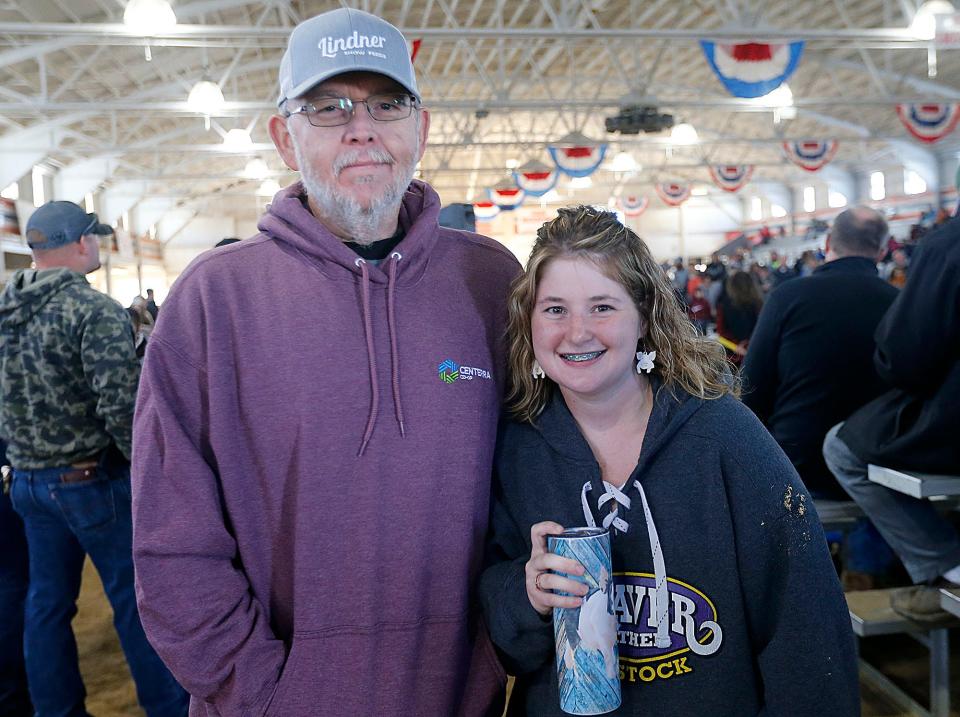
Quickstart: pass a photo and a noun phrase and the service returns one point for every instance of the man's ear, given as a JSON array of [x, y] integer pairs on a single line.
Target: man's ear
[[283, 141], [424, 131]]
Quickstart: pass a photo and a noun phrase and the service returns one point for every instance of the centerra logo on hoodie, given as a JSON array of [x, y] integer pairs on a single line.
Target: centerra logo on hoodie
[[694, 628], [450, 371], [355, 44]]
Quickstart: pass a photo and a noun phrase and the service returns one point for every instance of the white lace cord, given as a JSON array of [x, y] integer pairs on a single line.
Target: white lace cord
[[611, 492], [659, 574], [587, 515]]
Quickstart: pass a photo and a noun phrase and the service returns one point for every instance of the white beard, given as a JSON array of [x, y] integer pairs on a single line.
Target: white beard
[[361, 223]]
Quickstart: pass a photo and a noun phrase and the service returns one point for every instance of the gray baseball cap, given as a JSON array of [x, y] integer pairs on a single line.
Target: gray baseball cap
[[62, 223], [343, 40]]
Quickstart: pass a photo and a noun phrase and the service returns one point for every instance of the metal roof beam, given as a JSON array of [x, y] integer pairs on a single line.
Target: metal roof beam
[[36, 105], [106, 32]]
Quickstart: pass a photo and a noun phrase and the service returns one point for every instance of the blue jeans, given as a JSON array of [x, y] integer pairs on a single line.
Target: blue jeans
[[63, 522], [926, 542], [14, 699]]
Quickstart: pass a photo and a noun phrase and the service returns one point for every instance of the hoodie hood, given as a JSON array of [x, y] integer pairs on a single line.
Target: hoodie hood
[[289, 221], [29, 290], [602, 501]]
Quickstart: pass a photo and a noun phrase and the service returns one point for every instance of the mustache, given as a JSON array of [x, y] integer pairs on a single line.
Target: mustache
[[380, 156]]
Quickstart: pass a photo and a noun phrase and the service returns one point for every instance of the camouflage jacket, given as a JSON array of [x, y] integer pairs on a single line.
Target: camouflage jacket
[[68, 370]]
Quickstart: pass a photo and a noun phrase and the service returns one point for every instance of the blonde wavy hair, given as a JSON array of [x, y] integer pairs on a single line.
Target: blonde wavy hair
[[685, 359]]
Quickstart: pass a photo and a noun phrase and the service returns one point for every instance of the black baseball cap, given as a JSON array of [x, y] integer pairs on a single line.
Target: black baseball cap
[[62, 223]]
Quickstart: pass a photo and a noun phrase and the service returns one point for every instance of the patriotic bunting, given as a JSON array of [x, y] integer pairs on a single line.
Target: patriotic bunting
[[576, 155], [414, 48], [672, 193], [485, 211], [506, 195], [929, 122], [633, 206], [752, 69], [731, 177], [535, 178], [8, 217], [811, 155]]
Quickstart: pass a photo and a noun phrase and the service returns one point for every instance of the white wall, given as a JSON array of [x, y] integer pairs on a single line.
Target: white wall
[[192, 238]]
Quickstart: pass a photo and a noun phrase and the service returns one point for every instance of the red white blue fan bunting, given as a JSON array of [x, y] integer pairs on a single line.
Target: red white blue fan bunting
[[8, 217], [752, 69], [929, 122], [576, 155], [485, 211], [633, 206], [506, 195], [811, 155], [535, 178], [672, 193], [731, 177]]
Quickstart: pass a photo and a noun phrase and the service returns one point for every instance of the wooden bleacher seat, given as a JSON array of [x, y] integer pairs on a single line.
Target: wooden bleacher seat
[[871, 615]]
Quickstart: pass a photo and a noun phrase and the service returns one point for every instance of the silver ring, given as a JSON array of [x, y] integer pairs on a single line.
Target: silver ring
[[536, 582]]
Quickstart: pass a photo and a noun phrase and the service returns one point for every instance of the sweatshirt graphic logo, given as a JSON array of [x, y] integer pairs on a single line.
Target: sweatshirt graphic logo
[[450, 371], [694, 628], [355, 44]]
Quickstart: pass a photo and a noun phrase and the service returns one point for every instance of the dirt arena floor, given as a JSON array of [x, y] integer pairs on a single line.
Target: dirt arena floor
[[111, 693]]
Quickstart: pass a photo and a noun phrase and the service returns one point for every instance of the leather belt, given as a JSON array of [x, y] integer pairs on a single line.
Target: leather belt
[[85, 469], [79, 475]]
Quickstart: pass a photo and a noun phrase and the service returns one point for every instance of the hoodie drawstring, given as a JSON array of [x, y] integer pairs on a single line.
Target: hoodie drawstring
[[659, 573], [392, 325], [660, 600], [371, 356]]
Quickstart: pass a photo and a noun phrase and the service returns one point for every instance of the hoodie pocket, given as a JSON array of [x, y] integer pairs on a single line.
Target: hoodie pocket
[[284, 683], [485, 689], [430, 667]]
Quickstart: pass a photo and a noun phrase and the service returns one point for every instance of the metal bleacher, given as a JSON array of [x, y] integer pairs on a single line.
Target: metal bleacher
[[870, 611]]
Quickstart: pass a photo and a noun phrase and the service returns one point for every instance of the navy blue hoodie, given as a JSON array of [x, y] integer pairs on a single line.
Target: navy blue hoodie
[[757, 621]]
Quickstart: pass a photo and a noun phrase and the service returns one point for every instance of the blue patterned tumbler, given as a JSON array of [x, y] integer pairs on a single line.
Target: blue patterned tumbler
[[588, 670]]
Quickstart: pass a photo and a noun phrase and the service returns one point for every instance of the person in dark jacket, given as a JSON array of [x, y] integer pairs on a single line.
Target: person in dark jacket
[[810, 363], [913, 425], [725, 597]]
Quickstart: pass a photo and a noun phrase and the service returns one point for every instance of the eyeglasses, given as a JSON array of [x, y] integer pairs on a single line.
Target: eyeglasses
[[335, 111]]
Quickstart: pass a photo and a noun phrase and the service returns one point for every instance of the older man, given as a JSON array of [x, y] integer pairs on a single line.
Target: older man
[[810, 363], [311, 478], [68, 378]]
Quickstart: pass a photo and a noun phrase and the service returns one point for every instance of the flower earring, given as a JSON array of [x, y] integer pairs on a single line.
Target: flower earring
[[537, 371], [645, 361]]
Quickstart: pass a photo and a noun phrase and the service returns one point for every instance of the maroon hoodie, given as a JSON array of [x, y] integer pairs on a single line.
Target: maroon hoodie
[[311, 467]]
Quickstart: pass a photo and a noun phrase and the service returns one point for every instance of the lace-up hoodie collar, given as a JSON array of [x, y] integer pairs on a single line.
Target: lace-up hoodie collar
[[607, 506]]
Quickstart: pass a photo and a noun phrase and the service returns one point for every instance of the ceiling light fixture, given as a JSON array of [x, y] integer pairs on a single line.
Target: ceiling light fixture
[[149, 16], [684, 133], [268, 188], [206, 98], [237, 140], [256, 169], [924, 24], [624, 162]]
